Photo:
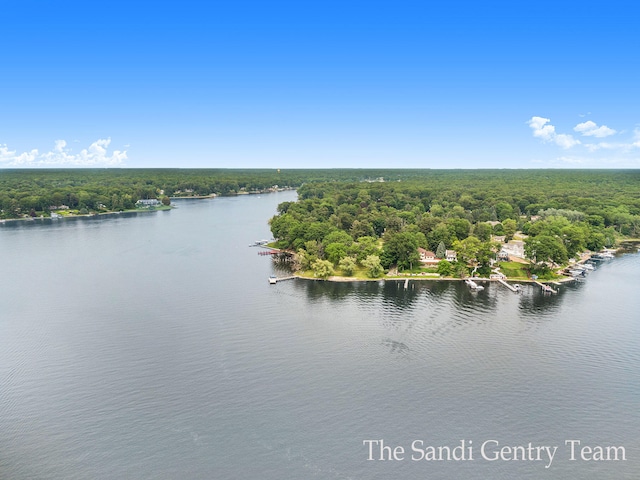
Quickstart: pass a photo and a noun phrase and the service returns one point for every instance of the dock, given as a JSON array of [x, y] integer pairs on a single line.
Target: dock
[[546, 288], [281, 279], [510, 287]]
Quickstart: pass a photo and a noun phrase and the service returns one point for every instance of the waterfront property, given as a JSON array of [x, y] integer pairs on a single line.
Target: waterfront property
[[148, 202], [427, 257]]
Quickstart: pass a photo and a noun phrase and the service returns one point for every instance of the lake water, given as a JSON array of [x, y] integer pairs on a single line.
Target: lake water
[[151, 346]]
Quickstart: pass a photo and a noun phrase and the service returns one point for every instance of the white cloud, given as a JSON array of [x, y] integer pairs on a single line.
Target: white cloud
[[591, 129], [544, 130], [636, 138], [96, 155], [566, 141]]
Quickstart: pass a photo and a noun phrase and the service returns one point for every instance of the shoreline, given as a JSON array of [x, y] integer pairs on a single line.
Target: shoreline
[[565, 279], [86, 215], [217, 195], [341, 279]]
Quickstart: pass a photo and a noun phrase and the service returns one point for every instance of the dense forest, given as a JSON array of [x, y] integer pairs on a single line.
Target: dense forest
[[34, 192], [560, 212]]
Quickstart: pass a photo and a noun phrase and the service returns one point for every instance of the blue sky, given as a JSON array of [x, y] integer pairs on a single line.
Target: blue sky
[[275, 84]]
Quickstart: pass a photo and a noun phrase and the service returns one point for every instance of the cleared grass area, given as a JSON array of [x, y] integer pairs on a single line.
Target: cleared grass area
[[359, 274], [514, 270]]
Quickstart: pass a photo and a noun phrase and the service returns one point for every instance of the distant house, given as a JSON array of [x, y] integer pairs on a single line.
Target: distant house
[[427, 257], [515, 248], [148, 202], [451, 256]]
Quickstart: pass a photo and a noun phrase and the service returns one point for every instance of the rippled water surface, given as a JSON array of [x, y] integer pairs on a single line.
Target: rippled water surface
[[152, 346]]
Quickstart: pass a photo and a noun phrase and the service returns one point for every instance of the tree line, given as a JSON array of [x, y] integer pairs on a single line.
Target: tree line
[[563, 212], [34, 191]]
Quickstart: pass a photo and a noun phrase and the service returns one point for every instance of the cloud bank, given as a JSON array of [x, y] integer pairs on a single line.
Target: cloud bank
[[96, 155], [621, 153], [544, 130], [591, 129]]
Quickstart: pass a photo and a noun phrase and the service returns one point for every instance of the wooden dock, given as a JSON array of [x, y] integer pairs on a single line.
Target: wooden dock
[[282, 279], [546, 288], [510, 287]]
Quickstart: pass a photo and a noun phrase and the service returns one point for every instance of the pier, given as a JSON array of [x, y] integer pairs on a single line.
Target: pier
[[546, 288], [513, 288], [273, 280]]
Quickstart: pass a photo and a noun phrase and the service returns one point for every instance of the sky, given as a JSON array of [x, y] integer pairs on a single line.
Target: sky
[[319, 84]]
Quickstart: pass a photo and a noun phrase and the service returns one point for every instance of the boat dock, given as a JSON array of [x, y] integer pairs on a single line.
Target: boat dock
[[513, 288], [546, 288], [273, 280]]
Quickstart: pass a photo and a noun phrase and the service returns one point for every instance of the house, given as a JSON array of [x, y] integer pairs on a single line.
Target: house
[[427, 257], [150, 202], [451, 256], [515, 248]]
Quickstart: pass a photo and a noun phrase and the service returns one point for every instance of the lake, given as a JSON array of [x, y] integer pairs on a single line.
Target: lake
[[151, 346]]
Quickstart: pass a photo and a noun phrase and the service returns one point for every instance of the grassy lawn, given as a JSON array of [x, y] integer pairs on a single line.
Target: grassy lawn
[[514, 270], [359, 274]]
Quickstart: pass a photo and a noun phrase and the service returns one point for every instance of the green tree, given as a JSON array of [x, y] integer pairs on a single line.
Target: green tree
[[440, 233], [460, 226], [545, 248], [338, 236], [322, 269], [373, 266], [305, 259], [483, 231], [444, 268], [574, 238], [441, 251], [509, 228], [401, 249], [467, 249], [503, 211], [347, 265], [460, 270], [335, 252], [364, 247]]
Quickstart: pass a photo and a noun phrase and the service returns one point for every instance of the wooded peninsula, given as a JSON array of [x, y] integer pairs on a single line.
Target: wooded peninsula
[[366, 221]]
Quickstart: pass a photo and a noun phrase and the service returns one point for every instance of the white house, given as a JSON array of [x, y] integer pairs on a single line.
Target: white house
[[514, 248], [151, 202]]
